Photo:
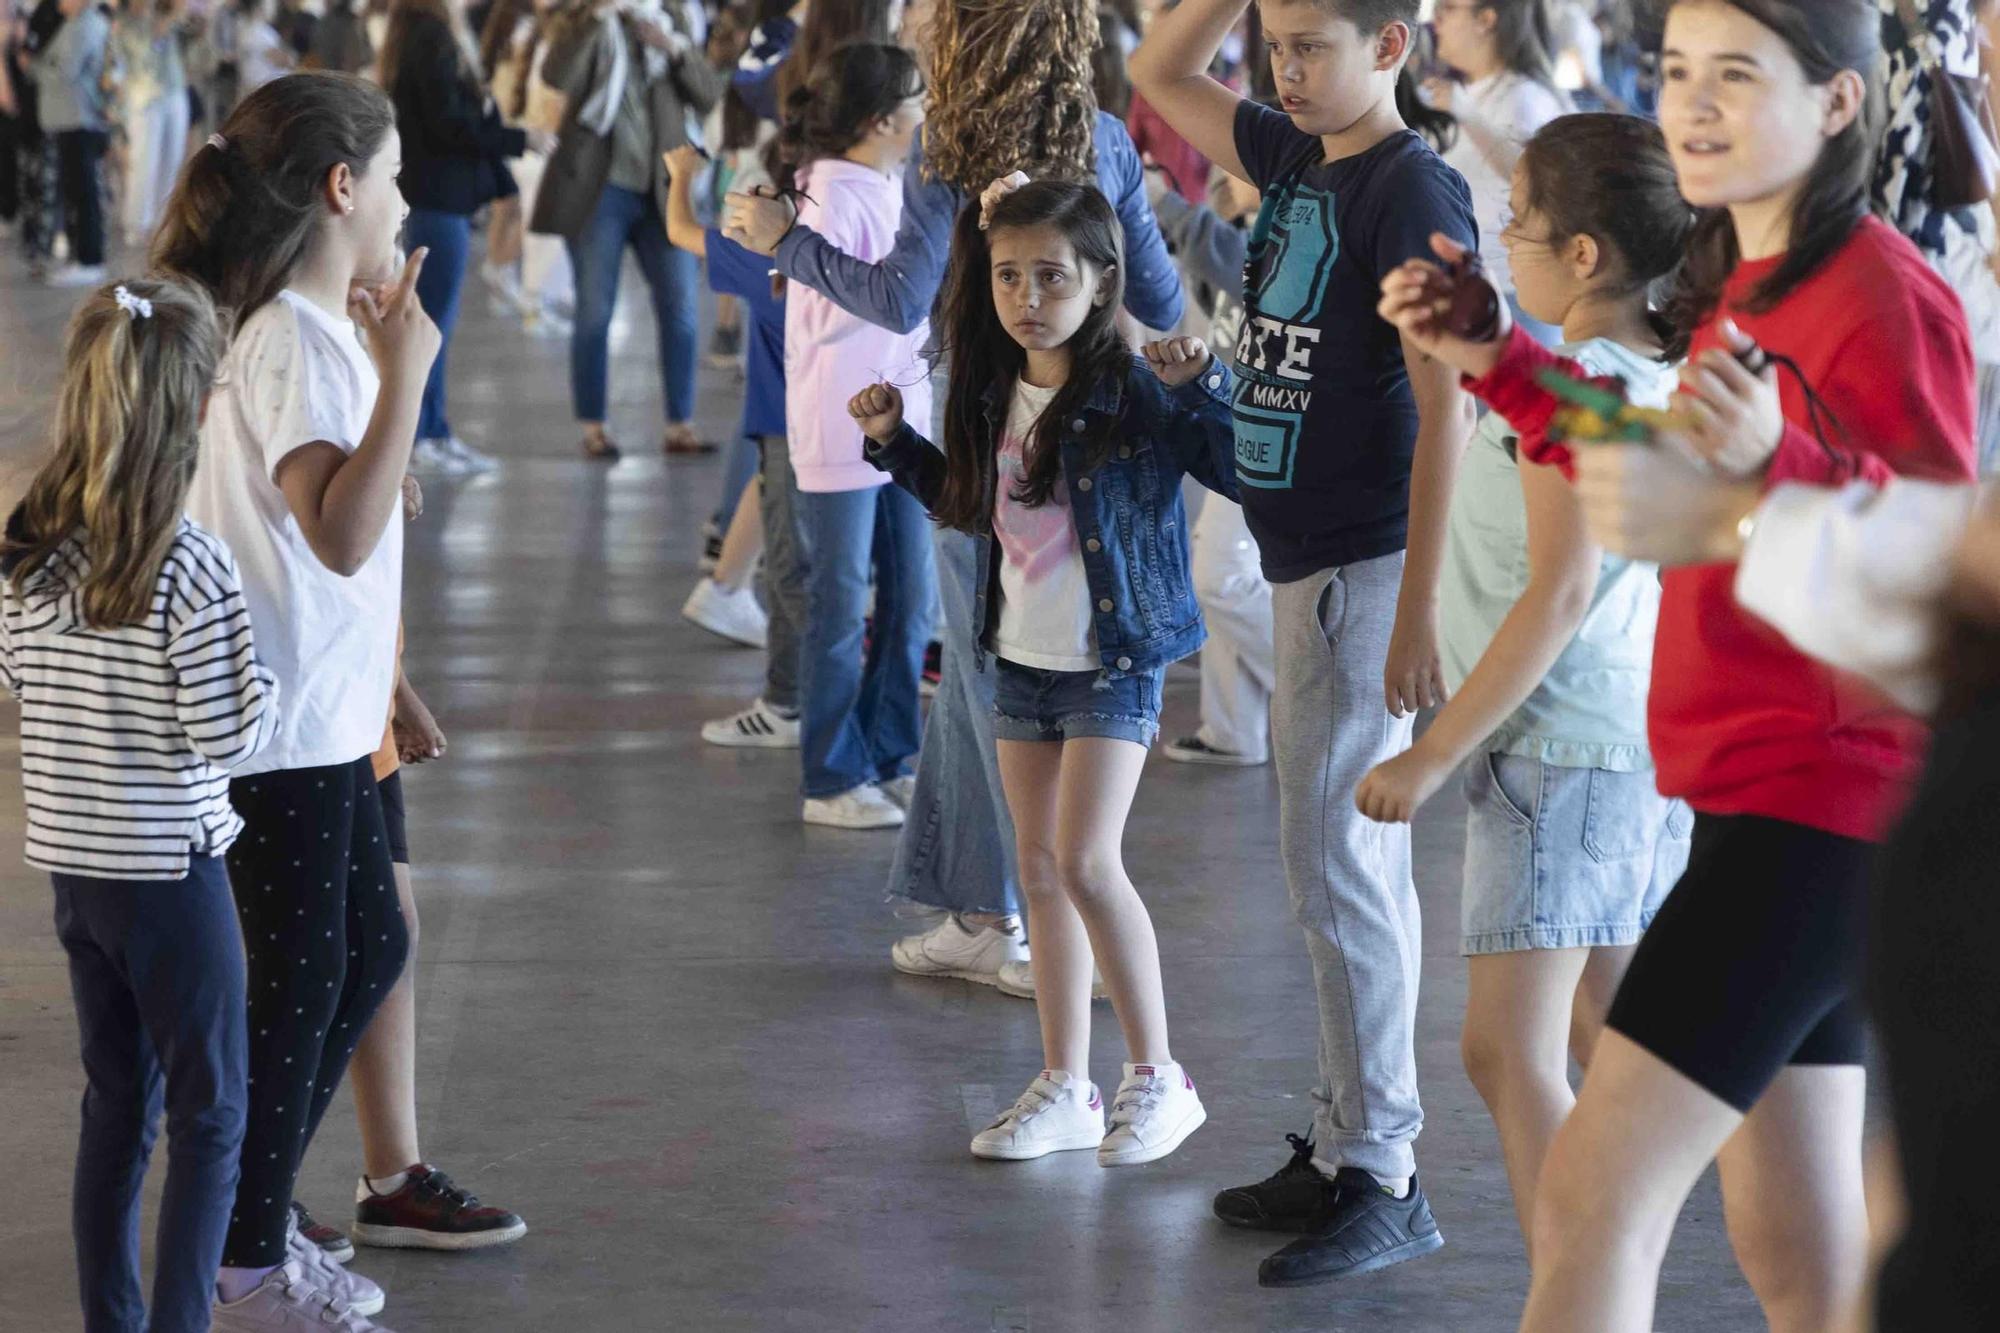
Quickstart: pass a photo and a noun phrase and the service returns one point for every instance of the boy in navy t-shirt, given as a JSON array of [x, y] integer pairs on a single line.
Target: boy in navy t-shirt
[[1346, 446], [772, 722]]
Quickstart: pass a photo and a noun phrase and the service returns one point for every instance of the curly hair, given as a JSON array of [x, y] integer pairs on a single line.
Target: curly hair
[[1011, 87]]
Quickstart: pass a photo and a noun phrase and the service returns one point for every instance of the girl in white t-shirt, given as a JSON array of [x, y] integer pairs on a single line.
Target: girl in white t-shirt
[[1506, 91], [261, 53], [290, 217]]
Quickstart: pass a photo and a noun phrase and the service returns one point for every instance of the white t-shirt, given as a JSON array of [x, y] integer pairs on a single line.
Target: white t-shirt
[[1044, 596], [1497, 115], [260, 56], [296, 375]]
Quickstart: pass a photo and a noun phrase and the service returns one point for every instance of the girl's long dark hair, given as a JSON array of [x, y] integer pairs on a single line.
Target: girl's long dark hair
[[829, 24], [1610, 177], [984, 357], [853, 87], [241, 215], [1826, 37]]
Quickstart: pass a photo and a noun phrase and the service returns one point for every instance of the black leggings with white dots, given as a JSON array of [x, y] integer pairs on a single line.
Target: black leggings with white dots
[[325, 941]]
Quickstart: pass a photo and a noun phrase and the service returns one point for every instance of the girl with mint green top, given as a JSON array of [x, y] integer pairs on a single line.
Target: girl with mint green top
[[1548, 646]]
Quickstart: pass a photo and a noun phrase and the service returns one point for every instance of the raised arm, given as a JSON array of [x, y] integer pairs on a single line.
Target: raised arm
[[1152, 283], [1170, 69], [683, 230], [895, 292]]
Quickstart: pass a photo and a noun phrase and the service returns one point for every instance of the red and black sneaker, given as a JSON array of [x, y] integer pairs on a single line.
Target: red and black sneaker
[[332, 1243], [431, 1213]]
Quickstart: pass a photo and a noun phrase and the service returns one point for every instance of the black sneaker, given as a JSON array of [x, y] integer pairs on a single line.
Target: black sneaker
[[1297, 1199], [1370, 1229]]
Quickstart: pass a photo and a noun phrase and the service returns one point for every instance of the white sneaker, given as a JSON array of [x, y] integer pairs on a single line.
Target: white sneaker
[[1018, 980], [758, 727], [733, 615], [430, 456], [349, 1288], [289, 1300], [903, 791], [546, 323], [857, 808], [954, 949], [465, 456], [77, 275], [1058, 1113], [1155, 1110]]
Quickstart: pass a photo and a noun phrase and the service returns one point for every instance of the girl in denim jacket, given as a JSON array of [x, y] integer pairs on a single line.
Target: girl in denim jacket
[[1063, 456]]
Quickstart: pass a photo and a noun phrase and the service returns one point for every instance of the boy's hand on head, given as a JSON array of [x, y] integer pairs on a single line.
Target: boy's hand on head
[[1735, 419], [878, 410], [757, 221], [1414, 677], [1396, 789], [998, 190], [1417, 299], [1176, 360]]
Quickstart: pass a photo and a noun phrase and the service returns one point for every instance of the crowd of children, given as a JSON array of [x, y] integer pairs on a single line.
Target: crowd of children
[[1531, 417]]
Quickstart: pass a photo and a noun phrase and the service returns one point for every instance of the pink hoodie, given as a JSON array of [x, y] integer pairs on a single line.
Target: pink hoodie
[[829, 354]]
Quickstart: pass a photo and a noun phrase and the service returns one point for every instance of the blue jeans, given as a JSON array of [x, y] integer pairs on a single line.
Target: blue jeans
[[449, 238], [625, 217], [157, 972], [956, 852], [1034, 705], [860, 720]]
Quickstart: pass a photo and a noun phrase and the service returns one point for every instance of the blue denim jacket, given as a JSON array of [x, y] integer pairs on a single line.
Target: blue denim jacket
[[1129, 516]]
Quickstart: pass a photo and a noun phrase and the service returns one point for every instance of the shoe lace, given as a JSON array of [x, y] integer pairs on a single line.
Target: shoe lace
[[1302, 1156], [1136, 1098]]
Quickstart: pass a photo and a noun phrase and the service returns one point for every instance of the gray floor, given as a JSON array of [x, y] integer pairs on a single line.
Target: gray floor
[[656, 1013]]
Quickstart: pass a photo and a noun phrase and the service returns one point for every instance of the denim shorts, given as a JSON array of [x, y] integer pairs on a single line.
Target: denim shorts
[[1565, 858], [1030, 704]]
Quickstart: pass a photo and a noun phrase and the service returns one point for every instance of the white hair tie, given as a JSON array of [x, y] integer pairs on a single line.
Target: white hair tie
[[138, 307], [217, 142]]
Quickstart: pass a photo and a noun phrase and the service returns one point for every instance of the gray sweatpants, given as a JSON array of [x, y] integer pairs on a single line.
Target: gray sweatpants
[[1349, 877], [784, 572]]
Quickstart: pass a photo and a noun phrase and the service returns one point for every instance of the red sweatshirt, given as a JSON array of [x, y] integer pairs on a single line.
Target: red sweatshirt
[[1741, 722]]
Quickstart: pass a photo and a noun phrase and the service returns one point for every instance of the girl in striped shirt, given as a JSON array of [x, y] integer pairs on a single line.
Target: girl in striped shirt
[[124, 634]]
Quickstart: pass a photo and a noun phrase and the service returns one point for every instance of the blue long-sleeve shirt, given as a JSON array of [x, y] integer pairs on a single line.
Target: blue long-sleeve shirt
[[897, 291]]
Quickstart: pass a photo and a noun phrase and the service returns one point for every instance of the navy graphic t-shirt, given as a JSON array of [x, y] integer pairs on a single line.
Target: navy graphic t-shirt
[[1326, 424]]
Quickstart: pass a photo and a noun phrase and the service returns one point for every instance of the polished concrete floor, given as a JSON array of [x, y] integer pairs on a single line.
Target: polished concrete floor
[[657, 1016]]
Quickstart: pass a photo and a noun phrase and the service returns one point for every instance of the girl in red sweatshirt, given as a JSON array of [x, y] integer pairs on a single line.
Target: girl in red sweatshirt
[[1735, 1036]]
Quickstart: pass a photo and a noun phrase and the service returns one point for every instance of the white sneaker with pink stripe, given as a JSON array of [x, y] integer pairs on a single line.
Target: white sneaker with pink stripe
[[1058, 1113], [1155, 1110]]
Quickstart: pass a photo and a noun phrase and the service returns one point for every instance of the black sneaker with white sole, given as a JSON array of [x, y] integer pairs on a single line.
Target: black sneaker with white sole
[[1370, 1229], [1298, 1199]]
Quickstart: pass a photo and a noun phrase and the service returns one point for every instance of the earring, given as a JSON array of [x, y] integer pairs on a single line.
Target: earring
[[348, 208]]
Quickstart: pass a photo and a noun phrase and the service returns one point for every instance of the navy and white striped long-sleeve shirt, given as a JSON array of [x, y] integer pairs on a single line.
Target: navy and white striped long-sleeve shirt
[[128, 734]]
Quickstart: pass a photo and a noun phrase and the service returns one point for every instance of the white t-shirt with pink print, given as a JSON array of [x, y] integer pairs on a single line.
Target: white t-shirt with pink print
[[1045, 619]]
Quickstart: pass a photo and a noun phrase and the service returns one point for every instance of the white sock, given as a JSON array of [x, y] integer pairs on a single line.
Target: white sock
[[383, 1184], [1399, 1186], [233, 1284]]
